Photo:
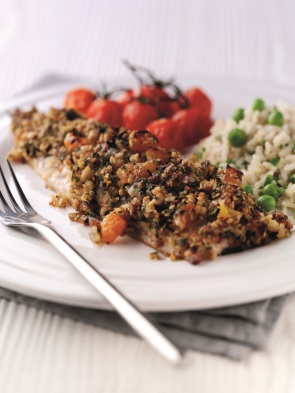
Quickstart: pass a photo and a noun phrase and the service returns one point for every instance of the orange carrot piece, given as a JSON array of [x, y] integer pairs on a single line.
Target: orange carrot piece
[[112, 226]]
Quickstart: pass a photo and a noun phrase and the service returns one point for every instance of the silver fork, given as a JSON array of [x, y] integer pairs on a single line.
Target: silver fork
[[142, 324]]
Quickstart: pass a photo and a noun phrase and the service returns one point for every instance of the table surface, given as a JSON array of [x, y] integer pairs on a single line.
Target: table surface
[[247, 39]]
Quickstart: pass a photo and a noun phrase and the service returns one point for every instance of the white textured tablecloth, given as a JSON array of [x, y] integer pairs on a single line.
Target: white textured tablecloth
[[40, 352]]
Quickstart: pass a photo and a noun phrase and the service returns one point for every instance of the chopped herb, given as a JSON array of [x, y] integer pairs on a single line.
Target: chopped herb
[[212, 209], [31, 149], [71, 114], [75, 178], [62, 156], [182, 242], [198, 154], [155, 256], [275, 160]]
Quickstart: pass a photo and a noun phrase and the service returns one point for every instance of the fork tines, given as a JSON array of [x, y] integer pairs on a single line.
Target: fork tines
[[16, 207]]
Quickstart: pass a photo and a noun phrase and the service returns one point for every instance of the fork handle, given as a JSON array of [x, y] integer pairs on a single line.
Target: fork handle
[[139, 322]]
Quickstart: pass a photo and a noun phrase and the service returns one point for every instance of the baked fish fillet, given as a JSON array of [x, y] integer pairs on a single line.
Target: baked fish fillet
[[180, 209]]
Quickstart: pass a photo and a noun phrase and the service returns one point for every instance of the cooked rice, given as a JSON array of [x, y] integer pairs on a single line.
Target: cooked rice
[[264, 142]]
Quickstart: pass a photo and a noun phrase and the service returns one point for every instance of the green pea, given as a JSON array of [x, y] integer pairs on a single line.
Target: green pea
[[248, 189], [266, 202], [269, 179], [276, 118], [272, 190], [292, 179], [237, 137], [275, 160], [238, 114], [258, 104]]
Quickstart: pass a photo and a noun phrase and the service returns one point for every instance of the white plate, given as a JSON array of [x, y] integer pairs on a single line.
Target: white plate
[[32, 266]]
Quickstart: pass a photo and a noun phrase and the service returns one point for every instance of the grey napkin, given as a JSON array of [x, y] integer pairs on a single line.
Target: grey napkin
[[231, 331]]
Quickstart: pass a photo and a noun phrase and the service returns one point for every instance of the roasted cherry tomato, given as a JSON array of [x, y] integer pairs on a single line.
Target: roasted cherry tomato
[[193, 124], [79, 99], [167, 109], [136, 116], [146, 94], [153, 93], [106, 111], [167, 133], [125, 97], [198, 99]]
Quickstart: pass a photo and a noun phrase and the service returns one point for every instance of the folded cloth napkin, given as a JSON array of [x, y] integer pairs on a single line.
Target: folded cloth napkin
[[230, 331]]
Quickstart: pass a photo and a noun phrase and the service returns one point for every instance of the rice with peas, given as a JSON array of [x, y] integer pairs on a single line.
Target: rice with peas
[[269, 150]]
